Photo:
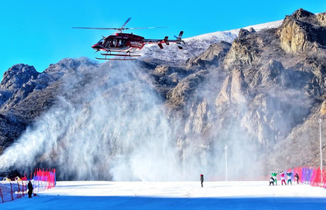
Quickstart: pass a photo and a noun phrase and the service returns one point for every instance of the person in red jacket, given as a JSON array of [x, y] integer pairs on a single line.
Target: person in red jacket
[[283, 177]]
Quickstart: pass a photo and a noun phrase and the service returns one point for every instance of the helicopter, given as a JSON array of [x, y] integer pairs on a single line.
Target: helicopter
[[124, 45]]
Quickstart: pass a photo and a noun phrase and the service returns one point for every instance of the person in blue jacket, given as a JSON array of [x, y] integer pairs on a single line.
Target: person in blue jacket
[[289, 175]]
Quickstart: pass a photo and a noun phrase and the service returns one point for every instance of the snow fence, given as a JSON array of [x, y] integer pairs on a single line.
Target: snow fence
[[42, 180], [309, 175]]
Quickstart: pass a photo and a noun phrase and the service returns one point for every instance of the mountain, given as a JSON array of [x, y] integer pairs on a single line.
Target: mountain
[[25, 94], [260, 91], [197, 45]]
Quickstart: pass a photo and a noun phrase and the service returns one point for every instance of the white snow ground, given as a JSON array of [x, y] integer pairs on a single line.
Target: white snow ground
[[173, 195]]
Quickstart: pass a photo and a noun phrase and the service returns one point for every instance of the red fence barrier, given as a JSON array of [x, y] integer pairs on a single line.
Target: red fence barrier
[[42, 180], [309, 175], [1, 195], [12, 190]]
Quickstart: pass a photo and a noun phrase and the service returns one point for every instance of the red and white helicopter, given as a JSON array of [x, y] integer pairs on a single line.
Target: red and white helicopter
[[124, 45]]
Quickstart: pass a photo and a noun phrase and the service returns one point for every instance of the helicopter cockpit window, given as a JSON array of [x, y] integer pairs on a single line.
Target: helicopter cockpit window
[[115, 43], [100, 42], [122, 43], [108, 43]]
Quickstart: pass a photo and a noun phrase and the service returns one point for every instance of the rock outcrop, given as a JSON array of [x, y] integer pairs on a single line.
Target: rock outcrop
[[303, 32], [212, 56]]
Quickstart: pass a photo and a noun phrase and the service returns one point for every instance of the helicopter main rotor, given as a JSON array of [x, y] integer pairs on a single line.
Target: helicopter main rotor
[[118, 29]]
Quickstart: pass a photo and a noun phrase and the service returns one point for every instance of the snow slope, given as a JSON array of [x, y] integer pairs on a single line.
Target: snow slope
[[196, 45], [173, 195]]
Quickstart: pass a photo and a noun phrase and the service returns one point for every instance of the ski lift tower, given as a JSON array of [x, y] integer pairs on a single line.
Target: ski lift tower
[[226, 162], [321, 153]]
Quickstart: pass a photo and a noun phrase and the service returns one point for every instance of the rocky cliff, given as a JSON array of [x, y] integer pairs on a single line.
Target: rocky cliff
[[261, 95], [273, 89], [268, 88]]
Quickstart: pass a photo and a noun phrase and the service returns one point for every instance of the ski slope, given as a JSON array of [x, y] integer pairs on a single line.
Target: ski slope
[[173, 195]]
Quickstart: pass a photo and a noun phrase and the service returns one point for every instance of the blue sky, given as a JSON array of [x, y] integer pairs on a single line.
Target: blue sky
[[38, 32]]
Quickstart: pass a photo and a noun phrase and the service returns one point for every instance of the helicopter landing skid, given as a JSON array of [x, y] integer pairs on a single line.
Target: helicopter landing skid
[[116, 59], [126, 57]]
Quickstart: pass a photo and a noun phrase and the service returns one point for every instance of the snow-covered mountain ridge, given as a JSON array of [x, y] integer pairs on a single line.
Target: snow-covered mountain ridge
[[198, 44]]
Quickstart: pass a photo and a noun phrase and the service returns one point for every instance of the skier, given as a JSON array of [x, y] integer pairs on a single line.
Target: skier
[[289, 174], [297, 177], [282, 177], [202, 180], [30, 189], [271, 181], [274, 175]]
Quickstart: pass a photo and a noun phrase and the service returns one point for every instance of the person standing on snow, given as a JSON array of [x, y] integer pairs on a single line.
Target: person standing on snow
[[282, 177], [271, 181], [274, 175], [202, 180], [297, 177], [30, 189], [289, 174]]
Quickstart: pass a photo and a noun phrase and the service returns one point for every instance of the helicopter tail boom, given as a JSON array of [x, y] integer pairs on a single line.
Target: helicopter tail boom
[[166, 41]]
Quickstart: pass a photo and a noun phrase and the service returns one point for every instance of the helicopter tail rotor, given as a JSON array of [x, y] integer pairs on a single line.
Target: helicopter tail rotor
[[180, 42]]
